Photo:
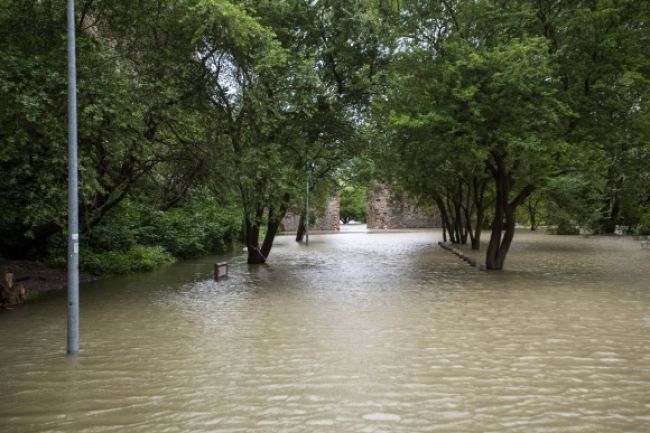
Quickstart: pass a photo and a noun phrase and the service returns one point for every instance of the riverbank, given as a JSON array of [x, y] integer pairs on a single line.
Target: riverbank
[[38, 278]]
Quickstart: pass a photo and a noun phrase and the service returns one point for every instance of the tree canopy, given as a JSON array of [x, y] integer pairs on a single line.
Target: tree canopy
[[495, 112]]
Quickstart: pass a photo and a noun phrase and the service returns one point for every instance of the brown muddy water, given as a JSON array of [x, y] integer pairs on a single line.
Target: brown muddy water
[[359, 332]]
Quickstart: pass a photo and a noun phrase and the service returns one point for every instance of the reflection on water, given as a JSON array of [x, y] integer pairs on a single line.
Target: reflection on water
[[359, 332]]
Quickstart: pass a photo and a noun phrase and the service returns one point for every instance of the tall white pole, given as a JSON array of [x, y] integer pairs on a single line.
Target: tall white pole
[[307, 206], [73, 204]]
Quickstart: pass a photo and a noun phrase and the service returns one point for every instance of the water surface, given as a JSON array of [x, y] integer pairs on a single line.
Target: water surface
[[359, 332]]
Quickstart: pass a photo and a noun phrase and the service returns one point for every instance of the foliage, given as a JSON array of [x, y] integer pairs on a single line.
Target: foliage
[[137, 258], [354, 204], [643, 227], [201, 119], [200, 227]]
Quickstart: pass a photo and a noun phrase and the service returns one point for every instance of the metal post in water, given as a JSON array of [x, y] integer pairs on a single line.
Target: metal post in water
[[307, 206], [73, 205]]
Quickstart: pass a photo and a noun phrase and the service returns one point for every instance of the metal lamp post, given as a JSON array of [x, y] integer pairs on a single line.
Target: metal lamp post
[[307, 204], [73, 204]]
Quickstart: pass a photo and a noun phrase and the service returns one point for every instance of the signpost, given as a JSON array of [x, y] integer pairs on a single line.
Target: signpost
[[307, 206], [73, 204]]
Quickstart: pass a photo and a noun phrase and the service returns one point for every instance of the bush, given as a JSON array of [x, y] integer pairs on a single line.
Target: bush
[[565, 228], [137, 236], [643, 227], [201, 227], [136, 259]]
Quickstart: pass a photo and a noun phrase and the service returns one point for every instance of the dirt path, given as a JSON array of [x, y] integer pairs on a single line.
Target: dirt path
[[37, 278]]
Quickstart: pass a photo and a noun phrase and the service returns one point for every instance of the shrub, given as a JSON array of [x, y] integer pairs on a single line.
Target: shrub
[[564, 227], [192, 230], [135, 259], [643, 227]]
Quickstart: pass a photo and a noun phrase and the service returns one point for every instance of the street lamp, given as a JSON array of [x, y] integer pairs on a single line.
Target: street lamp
[[307, 204], [73, 204], [310, 169]]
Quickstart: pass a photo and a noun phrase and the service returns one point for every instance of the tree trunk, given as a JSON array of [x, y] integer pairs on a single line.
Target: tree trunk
[[447, 228], [10, 293], [300, 234], [478, 229], [503, 224], [272, 226], [461, 232], [252, 235], [478, 198], [271, 230], [255, 255], [492, 254]]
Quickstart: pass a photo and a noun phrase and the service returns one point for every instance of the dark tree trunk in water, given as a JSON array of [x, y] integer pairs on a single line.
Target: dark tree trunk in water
[[503, 224], [10, 293], [447, 228], [255, 255], [478, 191], [478, 229], [252, 236], [459, 223], [300, 234], [271, 230]]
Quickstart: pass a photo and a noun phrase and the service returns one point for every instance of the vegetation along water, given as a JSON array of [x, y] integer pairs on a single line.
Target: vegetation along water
[[509, 130]]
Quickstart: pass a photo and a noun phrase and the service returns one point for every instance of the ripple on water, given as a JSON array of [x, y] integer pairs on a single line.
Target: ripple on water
[[382, 416], [358, 332]]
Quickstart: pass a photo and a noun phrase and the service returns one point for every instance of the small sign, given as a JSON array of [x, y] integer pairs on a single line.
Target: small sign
[[220, 271]]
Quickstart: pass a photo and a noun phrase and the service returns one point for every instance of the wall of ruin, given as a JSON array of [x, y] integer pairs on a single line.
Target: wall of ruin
[[325, 219], [388, 211]]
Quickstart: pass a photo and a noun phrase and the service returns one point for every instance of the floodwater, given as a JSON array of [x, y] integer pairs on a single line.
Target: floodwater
[[359, 332]]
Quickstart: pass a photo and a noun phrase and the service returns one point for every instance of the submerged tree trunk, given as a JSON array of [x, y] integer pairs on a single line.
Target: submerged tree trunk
[[447, 224], [459, 223], [10, 293], [478, 191], [257, 254], [271, 230], [300, 233], [252, 236], [503, 224]]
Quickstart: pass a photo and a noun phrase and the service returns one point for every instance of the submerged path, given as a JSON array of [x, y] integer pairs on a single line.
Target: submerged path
[[359, 332]]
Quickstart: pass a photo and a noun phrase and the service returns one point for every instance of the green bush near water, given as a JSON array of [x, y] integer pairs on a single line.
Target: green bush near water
[[135, 259], [135, 236]]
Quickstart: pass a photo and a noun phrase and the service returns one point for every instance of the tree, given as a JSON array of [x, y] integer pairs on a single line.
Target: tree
[[138, 121], [602, 56], [485, 101], [354, 204]]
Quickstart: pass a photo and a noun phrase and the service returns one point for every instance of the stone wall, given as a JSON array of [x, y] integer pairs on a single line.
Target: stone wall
[[325, 219], [387, 211]]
